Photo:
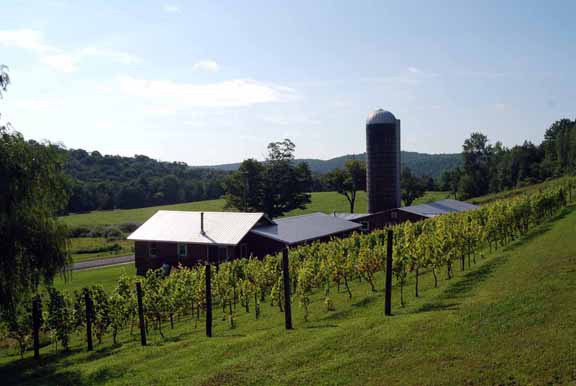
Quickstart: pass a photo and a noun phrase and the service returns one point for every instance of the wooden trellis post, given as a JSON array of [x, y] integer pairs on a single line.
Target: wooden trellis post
[[287, 301], [36, 326], [141, 314], [89, 313], [388, 294], [208, 275]]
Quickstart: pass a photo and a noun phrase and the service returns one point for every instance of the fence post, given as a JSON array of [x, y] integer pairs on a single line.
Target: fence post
[[388, 294], [287, 300], [208, 276], [141, 314], [36, 326], [89, 313]]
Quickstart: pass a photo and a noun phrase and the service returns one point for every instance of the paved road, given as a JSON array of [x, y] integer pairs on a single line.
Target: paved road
[[102, 262]]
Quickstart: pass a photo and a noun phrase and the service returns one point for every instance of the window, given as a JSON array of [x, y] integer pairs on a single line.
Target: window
[[365, 226], [394, 215], [243, 250], [182, 249], [152, 250]]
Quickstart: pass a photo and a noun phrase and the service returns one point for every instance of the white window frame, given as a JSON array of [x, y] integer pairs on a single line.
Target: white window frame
[[153, 246], [365, 226], [180, 245]]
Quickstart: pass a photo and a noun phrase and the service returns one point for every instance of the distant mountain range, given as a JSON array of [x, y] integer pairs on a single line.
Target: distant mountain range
[[421, 164]]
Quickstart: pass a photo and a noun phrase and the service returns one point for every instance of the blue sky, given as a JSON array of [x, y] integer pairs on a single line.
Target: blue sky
[[214, 82]]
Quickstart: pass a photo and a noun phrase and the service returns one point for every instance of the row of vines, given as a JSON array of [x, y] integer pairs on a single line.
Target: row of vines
[[437, 246]]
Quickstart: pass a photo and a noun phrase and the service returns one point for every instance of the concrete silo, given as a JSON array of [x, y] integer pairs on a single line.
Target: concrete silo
[[382, 161]]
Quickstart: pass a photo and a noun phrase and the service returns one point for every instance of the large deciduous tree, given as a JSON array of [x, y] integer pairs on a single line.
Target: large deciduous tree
[[477, 154], [32, 190], [275, 186], [412, 187], [349, 181]]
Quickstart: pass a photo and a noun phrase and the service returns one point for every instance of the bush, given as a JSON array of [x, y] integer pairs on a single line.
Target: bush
[[79, 231], [105, 248], [129, 227], [113, 233]]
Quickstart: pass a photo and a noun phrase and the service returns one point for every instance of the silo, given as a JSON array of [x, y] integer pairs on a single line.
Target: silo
[[382, 161]]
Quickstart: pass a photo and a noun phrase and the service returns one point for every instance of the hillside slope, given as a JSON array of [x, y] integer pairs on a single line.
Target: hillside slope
[[511, 320], [420, 163]]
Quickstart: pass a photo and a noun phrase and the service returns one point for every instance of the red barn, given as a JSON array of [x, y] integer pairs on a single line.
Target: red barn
[[188, 238]]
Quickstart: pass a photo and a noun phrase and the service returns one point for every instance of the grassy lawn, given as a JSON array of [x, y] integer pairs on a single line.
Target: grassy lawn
[[106, 277], [509, 320], [321, 202], [86, 248]]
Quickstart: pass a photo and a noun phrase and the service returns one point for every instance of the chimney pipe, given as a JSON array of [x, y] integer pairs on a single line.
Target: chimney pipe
[[202, 223]]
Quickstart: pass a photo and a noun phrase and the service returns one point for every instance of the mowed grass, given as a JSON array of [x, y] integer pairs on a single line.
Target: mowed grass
[[510, 320], [326, 202], [107, 277]]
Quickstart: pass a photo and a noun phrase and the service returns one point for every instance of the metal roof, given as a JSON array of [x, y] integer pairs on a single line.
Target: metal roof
[[351, 216], [223, 228], [437, 208], [297, 229], [380, 116]]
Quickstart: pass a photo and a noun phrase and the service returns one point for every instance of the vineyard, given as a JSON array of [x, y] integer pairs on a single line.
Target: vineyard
[[436, 247]]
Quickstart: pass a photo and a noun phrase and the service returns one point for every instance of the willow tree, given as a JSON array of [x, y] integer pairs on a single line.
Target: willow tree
[[32, 190]]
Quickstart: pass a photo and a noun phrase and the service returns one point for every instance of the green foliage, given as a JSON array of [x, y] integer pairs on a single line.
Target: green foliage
[[412, 187], [32, 191], [59, 321], [348, 181], [274, 187]]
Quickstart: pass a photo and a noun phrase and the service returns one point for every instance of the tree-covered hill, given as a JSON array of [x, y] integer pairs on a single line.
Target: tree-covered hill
[[421, 164], [110, 181]]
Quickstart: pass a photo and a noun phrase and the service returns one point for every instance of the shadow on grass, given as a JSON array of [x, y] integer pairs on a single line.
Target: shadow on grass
[[337, 315], [545, 227], [322, 326], [463, 287]]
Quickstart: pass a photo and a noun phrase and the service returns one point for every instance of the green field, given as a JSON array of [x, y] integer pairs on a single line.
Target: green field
[[511, 320], [321, 202]]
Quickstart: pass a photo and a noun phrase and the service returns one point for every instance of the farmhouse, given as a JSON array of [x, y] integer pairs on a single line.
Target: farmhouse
[[188, 238]]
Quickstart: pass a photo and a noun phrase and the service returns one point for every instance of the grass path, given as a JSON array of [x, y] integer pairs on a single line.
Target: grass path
[[511, 320]]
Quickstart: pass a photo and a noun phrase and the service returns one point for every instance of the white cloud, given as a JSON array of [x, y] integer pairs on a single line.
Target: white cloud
[[60, 62], [231, 93], [206, 65], [117, 56], [414, 70], [57, 58], [171, 8]]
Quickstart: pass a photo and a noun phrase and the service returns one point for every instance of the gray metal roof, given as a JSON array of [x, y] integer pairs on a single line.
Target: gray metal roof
[[297, 229], [222, 228], [433, 209], [380, 116], [351, 216]]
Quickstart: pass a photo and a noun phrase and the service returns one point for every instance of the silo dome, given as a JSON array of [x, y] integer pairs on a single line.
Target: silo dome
[[380, 116]]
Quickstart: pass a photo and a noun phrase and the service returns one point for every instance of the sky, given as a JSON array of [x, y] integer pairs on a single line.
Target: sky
[[210, 82]]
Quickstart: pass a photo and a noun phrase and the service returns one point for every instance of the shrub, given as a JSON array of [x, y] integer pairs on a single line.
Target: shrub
[[79, 231], [112, 233], [129, 227]]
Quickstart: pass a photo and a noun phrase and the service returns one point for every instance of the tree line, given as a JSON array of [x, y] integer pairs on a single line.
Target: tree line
[[103, 182], [492, 168]]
